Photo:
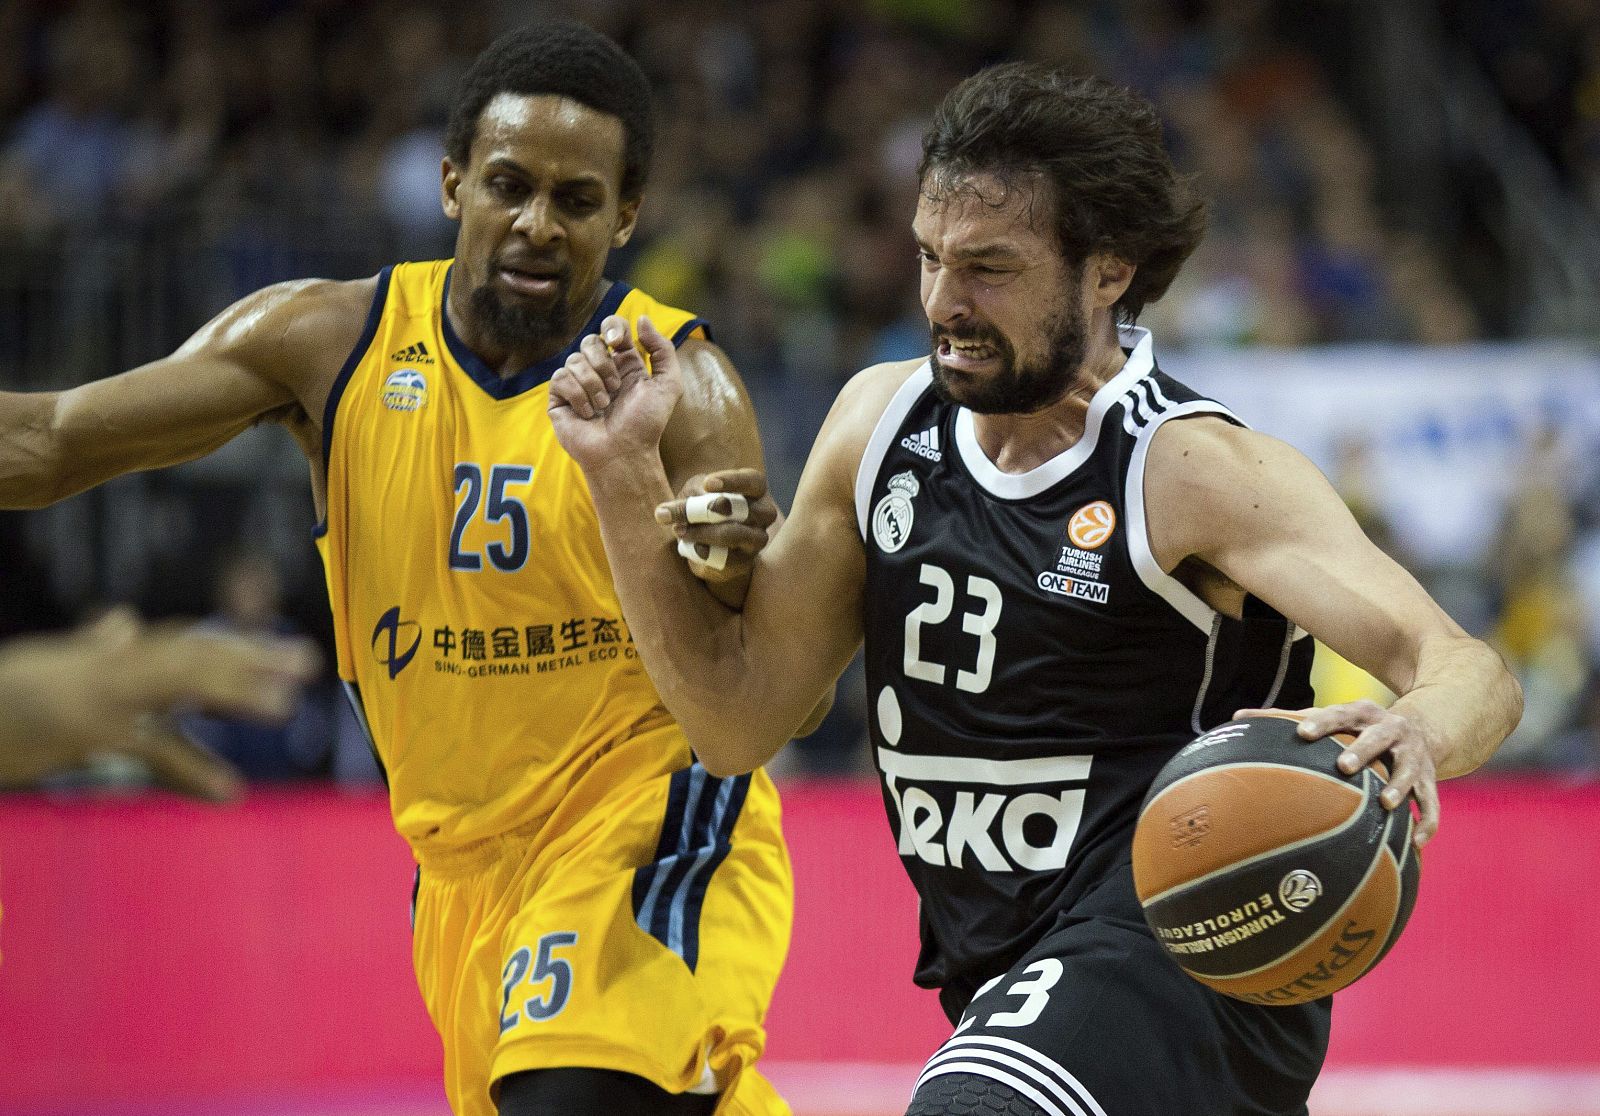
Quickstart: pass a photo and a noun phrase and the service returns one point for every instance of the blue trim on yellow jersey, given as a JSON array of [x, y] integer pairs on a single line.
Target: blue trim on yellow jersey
[[368, 332], [352, 693], [498, 387], [689, 327], [696, 836]]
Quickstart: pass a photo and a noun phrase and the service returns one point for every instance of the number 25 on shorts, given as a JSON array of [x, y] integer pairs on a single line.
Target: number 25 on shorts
[[524, 969]]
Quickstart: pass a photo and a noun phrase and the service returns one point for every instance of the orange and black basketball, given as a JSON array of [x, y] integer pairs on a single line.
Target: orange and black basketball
[[1266, 872]]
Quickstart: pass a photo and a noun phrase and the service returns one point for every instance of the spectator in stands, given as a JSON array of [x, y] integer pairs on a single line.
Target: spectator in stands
[[192, 152], [249, 604]]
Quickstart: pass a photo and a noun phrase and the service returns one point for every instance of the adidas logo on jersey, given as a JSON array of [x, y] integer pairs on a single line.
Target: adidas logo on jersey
[[925, 444], [416, 353]]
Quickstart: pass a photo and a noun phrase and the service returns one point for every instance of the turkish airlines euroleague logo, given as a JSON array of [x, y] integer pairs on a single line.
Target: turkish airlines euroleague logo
[[1091, 525]]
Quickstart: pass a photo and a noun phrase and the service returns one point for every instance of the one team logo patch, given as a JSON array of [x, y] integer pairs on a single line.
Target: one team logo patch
[[405, 390], [892, 518], [1091, 525], [1092, 591]]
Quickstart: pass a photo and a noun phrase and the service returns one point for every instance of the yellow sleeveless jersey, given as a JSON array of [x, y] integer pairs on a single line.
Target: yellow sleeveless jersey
[[475, 616]]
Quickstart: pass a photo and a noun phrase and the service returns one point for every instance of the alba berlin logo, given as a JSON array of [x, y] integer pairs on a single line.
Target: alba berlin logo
[[1091, 525]]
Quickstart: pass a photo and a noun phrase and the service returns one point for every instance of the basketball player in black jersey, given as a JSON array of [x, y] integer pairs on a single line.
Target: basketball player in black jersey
[[1065, 564]]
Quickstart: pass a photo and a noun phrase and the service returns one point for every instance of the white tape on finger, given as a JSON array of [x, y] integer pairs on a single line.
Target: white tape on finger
[[716, 558], [698, 509]]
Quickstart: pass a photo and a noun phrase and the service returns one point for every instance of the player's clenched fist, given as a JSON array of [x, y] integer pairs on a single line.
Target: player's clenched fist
[[722, 520], [605, 403]]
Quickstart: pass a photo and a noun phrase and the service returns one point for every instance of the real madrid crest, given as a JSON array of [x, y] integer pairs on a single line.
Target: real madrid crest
[[892, 518]]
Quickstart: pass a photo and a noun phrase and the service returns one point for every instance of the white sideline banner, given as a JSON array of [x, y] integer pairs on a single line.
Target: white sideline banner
[[1448, 434]]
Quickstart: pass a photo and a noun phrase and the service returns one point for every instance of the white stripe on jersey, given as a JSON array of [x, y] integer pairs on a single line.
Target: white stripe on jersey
[[996, 773], [1022, 486], [995, 1073], [883, 438], [1046, 1070], [1157, 580]]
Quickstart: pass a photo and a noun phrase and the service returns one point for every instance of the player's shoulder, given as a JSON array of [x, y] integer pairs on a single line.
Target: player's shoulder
[[866, 395], [1203, 448], [684, 328], [1208, 480], [318, 298], [298, 332], [855, 414], [338, 307], [296, 317]]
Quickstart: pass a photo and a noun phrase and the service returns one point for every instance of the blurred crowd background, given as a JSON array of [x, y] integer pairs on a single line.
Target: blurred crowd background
[[1400, 175]]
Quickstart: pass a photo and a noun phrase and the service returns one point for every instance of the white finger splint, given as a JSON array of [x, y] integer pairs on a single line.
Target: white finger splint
[[716, 559], [698, 509]]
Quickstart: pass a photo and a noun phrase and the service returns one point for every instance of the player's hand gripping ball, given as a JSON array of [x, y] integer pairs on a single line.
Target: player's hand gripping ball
[[1267, 873]]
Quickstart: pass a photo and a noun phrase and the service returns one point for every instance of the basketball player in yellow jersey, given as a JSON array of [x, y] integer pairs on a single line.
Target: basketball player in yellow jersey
[[599, 922]]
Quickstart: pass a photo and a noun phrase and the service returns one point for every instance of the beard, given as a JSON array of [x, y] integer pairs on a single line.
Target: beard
[[519, 326], [1018, 388]]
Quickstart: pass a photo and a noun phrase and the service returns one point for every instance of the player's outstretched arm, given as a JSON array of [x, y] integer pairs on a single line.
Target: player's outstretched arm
[[272, 356], [111, 687], [740, 683], [1258, 511]]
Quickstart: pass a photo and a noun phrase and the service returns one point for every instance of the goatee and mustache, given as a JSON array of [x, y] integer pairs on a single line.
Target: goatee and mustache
[[1017, 389], [523, 325]]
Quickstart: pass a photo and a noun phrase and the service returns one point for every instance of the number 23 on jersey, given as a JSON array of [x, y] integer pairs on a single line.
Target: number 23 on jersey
[[980, 622]]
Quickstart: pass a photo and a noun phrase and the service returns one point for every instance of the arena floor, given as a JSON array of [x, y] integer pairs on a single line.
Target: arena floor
[[835, 1089], [1473, 1014]]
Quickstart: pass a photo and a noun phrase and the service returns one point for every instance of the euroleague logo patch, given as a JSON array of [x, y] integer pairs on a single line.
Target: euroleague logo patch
[[405, 390], [1299, 889], [1091, 525], [1080, 567]]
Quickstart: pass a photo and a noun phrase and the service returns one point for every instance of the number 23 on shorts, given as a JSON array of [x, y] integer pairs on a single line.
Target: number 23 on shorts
[[1039, 977], [544, 972]]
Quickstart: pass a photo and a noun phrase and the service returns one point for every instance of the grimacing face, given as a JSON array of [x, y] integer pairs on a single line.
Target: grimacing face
[[1005, 315], [539, 208]]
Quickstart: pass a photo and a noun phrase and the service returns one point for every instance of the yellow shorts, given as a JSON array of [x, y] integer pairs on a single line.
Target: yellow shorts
[[645, 939]]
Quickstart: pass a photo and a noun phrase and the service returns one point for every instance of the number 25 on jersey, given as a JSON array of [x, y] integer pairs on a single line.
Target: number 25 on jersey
[[507, 555]]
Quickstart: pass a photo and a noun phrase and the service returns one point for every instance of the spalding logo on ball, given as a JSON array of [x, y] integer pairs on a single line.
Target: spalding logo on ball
[[1266, 872]]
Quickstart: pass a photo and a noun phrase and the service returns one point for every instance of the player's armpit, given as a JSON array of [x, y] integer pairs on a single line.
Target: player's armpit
[[1256, 510], [1262, 514]]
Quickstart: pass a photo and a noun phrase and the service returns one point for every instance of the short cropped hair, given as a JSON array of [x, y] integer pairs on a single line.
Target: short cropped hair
[[568, 60], [1098, 144]]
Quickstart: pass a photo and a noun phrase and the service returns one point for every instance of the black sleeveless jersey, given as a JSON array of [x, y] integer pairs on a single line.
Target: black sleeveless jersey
[[1029, 666]]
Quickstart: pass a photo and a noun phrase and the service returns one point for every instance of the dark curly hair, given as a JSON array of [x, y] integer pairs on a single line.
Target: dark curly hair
[[568, 60], [1098, 144]]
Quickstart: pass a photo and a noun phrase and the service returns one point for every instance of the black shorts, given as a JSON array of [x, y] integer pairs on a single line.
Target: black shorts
[[1096, 1020]]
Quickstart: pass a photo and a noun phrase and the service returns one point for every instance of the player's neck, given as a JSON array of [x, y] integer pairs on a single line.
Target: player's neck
[[508, 360], [1021, 442]]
